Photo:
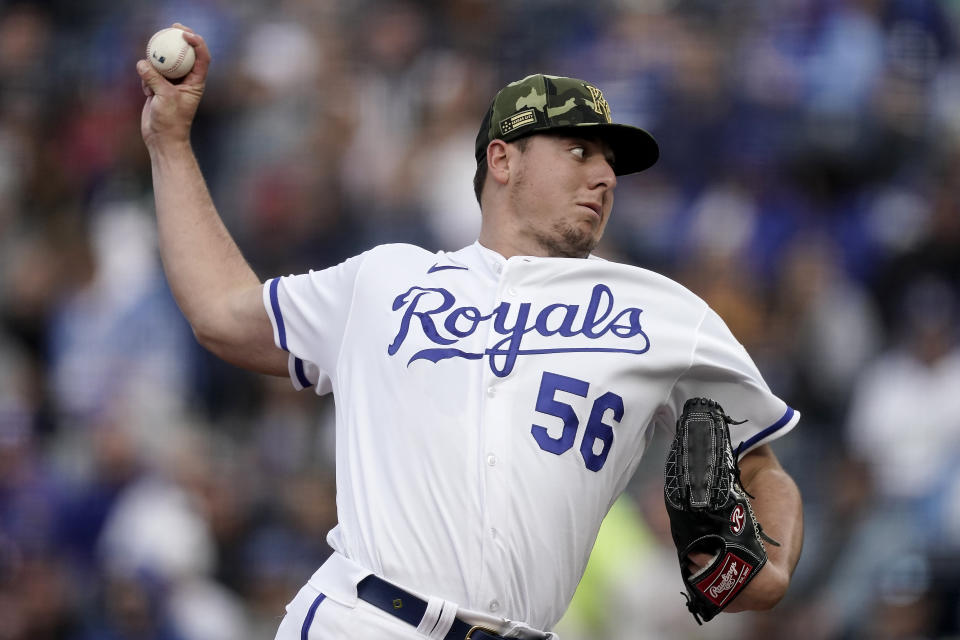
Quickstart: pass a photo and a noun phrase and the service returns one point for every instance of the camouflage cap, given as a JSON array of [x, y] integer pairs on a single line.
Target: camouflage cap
[[540, 103]]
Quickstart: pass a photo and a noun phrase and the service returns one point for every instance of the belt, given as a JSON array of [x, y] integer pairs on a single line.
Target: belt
[[409, 608]]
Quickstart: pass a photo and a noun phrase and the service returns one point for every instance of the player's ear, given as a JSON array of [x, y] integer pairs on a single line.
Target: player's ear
[[498, 161]]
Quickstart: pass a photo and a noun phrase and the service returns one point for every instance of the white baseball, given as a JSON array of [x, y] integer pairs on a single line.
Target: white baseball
[[170, 53]]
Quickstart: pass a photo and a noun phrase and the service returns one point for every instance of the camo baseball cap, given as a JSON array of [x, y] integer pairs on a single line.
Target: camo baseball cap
[[540, 103]]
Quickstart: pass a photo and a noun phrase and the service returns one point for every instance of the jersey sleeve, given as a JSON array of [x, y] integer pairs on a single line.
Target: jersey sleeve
[[309, 314], [721, 369]]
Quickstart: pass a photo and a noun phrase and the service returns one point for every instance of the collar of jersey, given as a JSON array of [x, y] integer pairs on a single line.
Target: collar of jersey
[[494, 259], [495, 262]]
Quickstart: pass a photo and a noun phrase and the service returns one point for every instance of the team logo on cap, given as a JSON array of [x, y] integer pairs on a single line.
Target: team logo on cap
[[600, 104]]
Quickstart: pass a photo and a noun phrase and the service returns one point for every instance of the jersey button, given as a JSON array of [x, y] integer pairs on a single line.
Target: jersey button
[[491, 392], [494, 605], [512, 292], [492, 460]]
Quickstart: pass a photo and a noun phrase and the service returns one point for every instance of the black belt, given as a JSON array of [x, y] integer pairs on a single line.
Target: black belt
[[409, 608]]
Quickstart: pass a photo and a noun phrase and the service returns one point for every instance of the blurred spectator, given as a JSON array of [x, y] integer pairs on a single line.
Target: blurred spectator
[[908, 449], [441, 171], [36, 599], [632, 587], [120, 338], [388, 102], [907, 452], [828, 324]]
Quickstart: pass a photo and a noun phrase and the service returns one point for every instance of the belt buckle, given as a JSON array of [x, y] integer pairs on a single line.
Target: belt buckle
[[478, 628]]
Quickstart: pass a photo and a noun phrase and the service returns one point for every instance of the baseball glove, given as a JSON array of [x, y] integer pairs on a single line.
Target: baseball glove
[[710, 511]]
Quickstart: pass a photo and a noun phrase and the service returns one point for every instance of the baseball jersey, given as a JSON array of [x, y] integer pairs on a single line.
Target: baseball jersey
[[489, 411]]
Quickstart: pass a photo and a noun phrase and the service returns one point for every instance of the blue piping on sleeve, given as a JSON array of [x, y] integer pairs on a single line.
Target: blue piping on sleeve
[[301, 376], [776, 426], [275, 305], [305, 630]]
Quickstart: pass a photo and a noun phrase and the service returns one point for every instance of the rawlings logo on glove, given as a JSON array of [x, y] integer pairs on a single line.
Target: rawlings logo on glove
[[710, 511]]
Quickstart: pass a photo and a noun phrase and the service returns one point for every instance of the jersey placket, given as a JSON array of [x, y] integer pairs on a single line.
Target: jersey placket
[[497, 405]]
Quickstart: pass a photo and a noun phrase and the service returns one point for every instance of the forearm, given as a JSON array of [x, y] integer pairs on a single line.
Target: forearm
[[779, 510], [202, 262]]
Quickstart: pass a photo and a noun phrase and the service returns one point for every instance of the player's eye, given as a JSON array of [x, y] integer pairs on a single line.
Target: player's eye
[[578, 151]]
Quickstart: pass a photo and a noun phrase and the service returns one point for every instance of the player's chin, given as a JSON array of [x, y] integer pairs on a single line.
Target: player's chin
[[576, 241], [591, 230], [584, 219]]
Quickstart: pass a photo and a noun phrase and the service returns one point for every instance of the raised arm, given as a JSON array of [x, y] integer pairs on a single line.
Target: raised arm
[[216, 289], [779, 510]]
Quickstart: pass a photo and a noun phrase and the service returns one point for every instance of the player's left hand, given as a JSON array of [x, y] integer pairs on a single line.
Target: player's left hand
[[170, 108], [764, 591], [718, 539]]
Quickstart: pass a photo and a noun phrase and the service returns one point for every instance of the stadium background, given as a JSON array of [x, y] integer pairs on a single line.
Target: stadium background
[[808, 189]]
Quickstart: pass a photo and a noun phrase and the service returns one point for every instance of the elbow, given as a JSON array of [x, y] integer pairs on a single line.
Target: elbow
[[209, 337], [235, 328], [241, 349], [771, 600], [222, 347], [764, 592], [772, 588]]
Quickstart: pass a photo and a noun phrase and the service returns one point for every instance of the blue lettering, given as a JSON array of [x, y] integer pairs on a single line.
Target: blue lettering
[[442, 323], [426, 323], [471, 314], [632, 326], [565, 328], [512, 341], [601, 293]]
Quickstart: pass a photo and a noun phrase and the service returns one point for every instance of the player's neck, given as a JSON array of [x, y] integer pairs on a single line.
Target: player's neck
[[505, 231], [509, 244]]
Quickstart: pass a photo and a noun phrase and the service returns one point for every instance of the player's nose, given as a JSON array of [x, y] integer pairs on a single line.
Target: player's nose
[[601, 173]]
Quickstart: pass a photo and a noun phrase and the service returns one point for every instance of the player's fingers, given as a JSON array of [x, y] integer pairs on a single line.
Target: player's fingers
[[698, 560], [150, 78], [199, 71], [184, 27]]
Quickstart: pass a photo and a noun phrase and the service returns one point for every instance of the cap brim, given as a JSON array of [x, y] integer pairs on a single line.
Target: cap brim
[[634, 149]]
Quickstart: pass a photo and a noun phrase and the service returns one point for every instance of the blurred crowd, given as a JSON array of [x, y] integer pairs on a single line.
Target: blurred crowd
[[809, 189]]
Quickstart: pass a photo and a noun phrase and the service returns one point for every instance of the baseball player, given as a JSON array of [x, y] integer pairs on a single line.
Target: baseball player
[[492, 402]]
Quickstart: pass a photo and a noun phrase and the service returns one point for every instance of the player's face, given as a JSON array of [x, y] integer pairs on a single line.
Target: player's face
[[562, 194]]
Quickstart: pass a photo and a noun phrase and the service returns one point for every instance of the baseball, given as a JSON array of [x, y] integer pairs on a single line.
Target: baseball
[[170, 53]]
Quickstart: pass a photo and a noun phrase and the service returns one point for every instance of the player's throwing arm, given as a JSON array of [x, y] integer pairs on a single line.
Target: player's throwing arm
[[216, 289]]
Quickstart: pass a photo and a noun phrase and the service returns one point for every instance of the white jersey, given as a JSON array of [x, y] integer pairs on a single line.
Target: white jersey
[[490, 410]]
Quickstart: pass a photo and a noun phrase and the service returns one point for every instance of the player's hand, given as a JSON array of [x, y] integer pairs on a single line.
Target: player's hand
[[763, 592], [698, 560], [170, 108]]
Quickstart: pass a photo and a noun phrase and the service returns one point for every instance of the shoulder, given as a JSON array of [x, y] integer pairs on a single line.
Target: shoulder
[[650, 283], [390, 263], [397, 256], [399, 250]]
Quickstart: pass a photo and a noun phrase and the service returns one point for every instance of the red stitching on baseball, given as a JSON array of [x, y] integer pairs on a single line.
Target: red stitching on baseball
[[183, 52]]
